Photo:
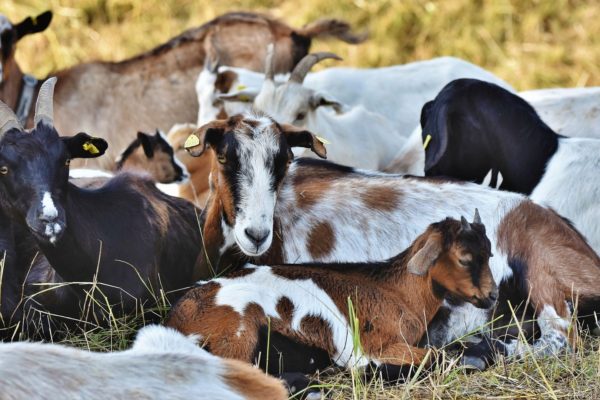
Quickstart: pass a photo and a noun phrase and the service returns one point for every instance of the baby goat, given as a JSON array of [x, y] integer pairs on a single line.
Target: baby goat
[[394, 300], [162, 364]]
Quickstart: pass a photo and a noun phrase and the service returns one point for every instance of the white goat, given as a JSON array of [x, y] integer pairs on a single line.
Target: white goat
[[162, 364], [397, 92]]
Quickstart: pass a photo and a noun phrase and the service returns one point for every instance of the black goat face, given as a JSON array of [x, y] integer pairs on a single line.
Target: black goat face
[[34, 171]]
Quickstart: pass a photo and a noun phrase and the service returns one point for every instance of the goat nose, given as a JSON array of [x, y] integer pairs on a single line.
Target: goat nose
[[257, 236], [47, 218]]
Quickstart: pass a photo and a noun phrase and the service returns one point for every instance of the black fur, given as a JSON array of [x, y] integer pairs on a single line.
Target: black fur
[[477, 126], [113, 232]]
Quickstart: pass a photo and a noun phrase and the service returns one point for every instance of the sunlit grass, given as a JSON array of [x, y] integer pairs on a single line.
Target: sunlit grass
[[530, 44]]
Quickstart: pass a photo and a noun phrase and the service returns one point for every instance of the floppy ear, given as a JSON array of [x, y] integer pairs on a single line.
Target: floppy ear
[[210, 134], [420, 263], [434, 124], [146, 142], [320, 99], [83, 145], [245, 96], [297, 137], [33, 25]]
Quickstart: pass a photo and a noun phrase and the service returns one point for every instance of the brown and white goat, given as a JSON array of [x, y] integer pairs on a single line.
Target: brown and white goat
[[272, 209], [159, 83], [394, 300]]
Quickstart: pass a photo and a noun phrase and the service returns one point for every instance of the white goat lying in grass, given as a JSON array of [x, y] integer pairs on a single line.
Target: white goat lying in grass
[[162, 364]]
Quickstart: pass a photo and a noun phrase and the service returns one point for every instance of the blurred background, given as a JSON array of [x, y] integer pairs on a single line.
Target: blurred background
[[531, 44]]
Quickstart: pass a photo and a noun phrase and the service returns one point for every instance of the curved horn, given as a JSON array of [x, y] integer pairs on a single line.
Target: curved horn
[[477, 218], [44, 109], [8, 119], [269, 67], [464, 224], [299, 73]]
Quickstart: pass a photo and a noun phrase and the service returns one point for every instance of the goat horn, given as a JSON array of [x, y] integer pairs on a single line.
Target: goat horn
[[8, 119], [269, 67], [44, 109], [299, 73], [464, 224], [477, 218]]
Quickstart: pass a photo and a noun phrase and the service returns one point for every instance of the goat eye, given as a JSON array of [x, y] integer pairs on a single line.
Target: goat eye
[[221, 159], [464, 263], [300, 116], [4, 170], [67, 162]]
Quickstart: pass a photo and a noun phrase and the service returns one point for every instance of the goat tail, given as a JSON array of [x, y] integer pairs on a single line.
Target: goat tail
[[332, 28]]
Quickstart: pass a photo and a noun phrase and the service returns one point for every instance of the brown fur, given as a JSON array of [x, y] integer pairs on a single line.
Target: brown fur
[[196, 189], [383, 198], [321, 240], [252, 383], [548, 240], [393, 305], [159, 84]]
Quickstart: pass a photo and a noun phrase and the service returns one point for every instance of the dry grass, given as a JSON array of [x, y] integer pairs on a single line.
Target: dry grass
[[529, 43]]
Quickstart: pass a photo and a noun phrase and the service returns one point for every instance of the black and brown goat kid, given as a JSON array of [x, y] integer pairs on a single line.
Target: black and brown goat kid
[[394, 302]]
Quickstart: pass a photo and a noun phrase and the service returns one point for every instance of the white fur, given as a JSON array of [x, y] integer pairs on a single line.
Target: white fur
[[161, 364], [571, 185], [257, 196], [49, 211], [569, 112], [307, 297], [78, 173]]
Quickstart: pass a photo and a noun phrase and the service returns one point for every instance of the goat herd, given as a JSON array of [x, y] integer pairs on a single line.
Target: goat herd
[[277, 260]]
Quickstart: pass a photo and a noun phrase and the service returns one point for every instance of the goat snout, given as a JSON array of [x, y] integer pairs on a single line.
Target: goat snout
[[257, 236]]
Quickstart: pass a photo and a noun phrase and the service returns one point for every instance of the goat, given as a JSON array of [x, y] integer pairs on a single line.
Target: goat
[[162, 363], [271, 209], [147, 154], [477, 126], [159, 82], [394, 300], [396, 92], [125, 239], [569, 112]]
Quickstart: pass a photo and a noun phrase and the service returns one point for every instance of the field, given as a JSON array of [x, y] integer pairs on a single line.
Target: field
[[531, 44]]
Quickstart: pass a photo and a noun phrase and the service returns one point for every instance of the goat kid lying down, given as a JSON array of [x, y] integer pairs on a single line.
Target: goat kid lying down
[[162, 364], [394, 301]]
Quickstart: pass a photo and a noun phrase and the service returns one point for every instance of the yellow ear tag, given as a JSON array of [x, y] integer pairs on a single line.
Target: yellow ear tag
[[191, 141], [323, 140], [34, 20], [427, 140], [240, 87], [90, 148]]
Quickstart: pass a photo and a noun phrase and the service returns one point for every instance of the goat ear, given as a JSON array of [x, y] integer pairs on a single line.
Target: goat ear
[[297, 137], [434, 133], [210, 134], [245, 96], [33, 24], [83, 145], [146, 142], [320, 99], [423, 259]]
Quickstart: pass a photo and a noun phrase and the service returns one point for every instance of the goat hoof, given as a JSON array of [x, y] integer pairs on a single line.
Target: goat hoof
[[473, 363]]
